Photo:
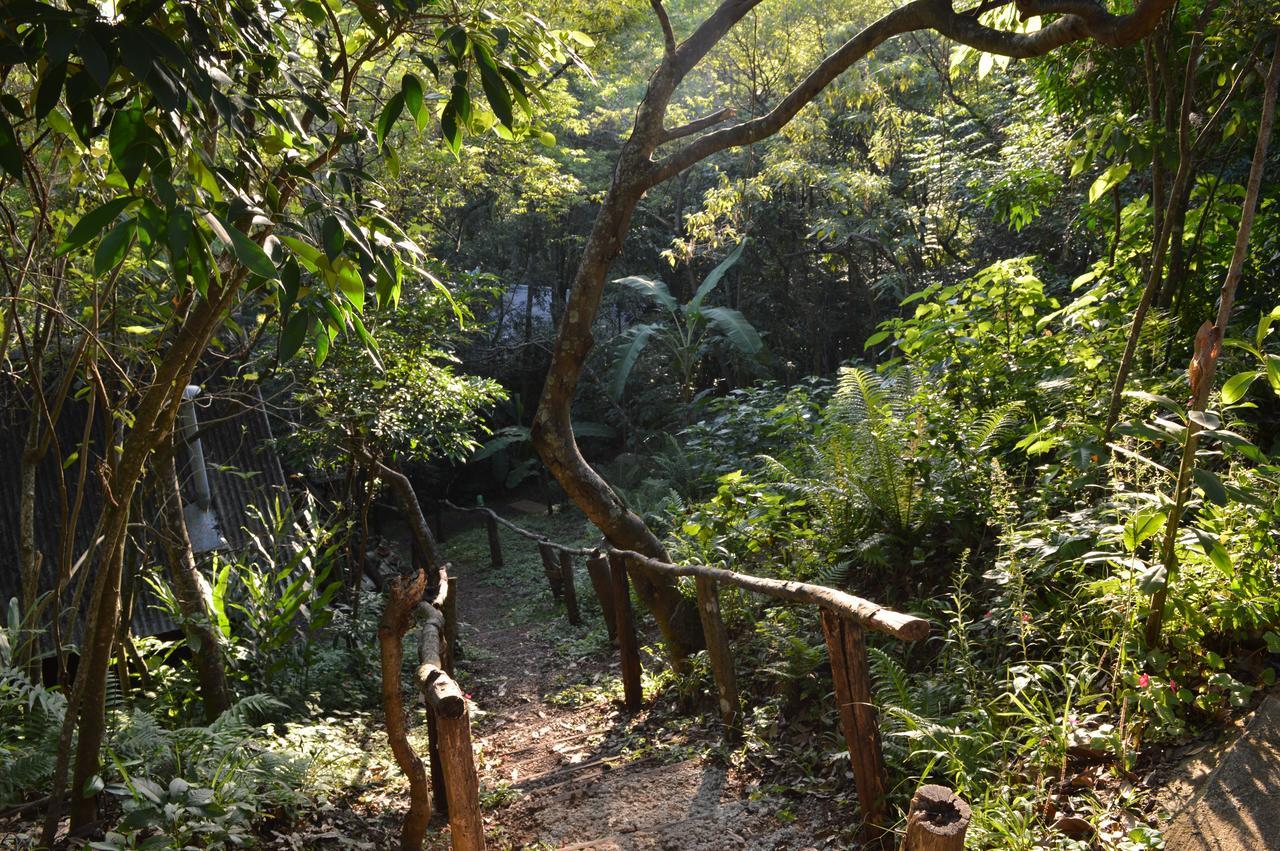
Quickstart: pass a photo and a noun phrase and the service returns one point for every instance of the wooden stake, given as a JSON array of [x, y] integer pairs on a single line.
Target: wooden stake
[[466, 825], [439, 791], [598, 570], [937, 820], [721, 656], [551, 567], [846, 646], [495, 542], [628, 647], [570, 591]]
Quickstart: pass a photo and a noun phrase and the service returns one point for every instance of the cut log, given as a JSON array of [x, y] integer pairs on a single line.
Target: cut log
[[598, 570], [937, 820], [570, 590], [721, 656], [628, 646], [846, 646]]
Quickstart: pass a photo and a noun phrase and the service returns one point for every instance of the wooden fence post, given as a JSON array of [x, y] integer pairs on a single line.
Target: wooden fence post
[[570, 590], [495, 543], [551, 567], [846, 646], [598, 570], [718, 651], [937, 820], [466, 824], [628, 647]]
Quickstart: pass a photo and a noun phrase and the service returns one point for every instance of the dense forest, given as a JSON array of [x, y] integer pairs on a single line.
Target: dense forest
[[688, 424]]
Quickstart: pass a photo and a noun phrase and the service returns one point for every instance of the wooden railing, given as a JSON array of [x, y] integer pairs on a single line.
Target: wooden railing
[[455, 784], [845, 621]]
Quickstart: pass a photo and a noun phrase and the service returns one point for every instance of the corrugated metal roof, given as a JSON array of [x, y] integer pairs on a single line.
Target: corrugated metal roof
[[243, 470]]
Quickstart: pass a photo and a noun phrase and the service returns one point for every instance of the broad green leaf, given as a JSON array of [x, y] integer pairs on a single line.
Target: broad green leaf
[[93, 222], [640, 336], [1211, 485], [709, 283], [740, 333], [1108, 180], [10, 151], [1273, 372], [128, 148], [389, 114], [292, 336], [411, 88], [652, 289], [251, 254], [114, 246], [1237, 385], [1142, 526]]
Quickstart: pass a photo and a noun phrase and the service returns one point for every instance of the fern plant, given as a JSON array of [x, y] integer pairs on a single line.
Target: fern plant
[[893, 462]]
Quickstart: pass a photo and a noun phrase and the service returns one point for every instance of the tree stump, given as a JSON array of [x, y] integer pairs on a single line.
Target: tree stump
[[937, 820]]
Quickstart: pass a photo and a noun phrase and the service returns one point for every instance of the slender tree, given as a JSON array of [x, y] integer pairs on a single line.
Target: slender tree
[[650, 156]]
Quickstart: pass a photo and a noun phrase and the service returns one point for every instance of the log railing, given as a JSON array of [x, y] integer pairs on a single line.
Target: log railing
[[845, 621], [454, 783]]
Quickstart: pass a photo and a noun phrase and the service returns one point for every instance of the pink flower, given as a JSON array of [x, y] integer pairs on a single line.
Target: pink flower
[[988, 614], [1026, 618], [1173, 686], [1144, 681]]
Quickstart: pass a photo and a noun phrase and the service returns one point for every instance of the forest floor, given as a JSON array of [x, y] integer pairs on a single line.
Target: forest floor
[[562, 765]]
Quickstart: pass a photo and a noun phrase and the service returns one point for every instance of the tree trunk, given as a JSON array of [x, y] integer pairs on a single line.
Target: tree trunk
[[403, 597], [192, 592]]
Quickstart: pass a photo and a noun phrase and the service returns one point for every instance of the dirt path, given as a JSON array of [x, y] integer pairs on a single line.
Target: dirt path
[[561, 765]]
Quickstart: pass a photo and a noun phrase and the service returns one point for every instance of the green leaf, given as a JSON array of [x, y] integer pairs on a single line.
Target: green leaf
[[651, 289], [495, 89], [292, 336], [251, 255], [92, 223], [710, 281], [128, 149], [111, 251], [1237, 385], [333, 237], [50, 90], [1141, 527], [640, 336], [740, 333], [1273, 372], [876, 339], [390, 113], [1108, 180], [10, 150], [411, 88], [1211, 485]]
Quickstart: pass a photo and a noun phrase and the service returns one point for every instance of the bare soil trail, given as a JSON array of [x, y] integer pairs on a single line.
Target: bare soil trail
[[561, 765]]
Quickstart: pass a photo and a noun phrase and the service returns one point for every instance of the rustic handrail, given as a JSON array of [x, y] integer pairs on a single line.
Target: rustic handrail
[[868, 614], [454, 781], [845, 619], [533, 536]]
